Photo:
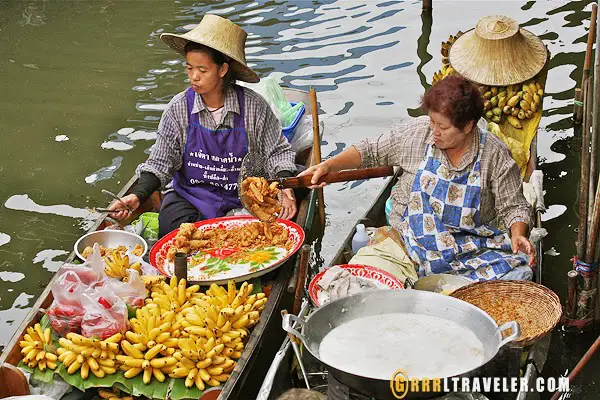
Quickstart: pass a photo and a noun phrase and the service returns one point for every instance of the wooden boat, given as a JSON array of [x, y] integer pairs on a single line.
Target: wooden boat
[[249, 372], [285, 374]]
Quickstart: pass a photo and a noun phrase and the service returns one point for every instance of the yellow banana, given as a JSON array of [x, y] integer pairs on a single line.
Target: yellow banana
[[153, 352], [132, 372], [180, 372], [130, 350], [199, 382], [158, 374], [73, 367], [163, 362], [85, 371], [99, 373], [147, 376], [190, 380], [204, 375], [93, 364]]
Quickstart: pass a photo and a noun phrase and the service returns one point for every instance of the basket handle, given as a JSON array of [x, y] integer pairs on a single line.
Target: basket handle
[[288, 319], [516, 332]]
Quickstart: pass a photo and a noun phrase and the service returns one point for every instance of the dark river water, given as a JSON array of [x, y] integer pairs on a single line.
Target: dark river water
[[83, 84]]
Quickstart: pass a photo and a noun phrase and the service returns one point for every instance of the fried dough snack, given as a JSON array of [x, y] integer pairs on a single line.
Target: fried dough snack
[[254, 235], [122, 250], [261, 198]]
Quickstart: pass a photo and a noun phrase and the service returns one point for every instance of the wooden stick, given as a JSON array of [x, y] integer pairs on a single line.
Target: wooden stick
[[588, 125], [585, 176], [317, 151], [180, 266], [578, 109], [341, 176], [590, 44], [584, 360], [571, 294], [595, 121], [302, 273], [427, 5], [577, 106]]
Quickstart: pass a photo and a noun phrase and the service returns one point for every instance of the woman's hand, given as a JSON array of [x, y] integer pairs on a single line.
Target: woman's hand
[[120, 211], [288, 204], [317, 171], [520, 242]]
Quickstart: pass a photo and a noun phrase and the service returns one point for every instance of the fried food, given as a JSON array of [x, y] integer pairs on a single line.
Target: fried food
[[138, 250], [261, 198], [246, 237]]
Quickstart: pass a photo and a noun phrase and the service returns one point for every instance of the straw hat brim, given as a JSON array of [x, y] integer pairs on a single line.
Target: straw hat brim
[[240, 70], [498, 62]]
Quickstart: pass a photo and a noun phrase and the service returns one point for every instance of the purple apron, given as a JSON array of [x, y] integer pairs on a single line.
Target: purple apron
[[211, 162]]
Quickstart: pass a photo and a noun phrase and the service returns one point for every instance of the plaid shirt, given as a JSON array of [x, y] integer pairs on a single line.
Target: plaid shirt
[[405, 146], [262, 130]]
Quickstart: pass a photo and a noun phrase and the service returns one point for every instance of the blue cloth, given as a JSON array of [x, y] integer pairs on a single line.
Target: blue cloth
[[442, 228]]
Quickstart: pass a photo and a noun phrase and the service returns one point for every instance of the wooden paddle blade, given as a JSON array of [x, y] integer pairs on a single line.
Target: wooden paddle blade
[[342, 176]]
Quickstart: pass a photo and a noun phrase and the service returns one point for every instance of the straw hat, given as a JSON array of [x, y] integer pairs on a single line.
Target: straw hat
[[222, 35], [498, 53]]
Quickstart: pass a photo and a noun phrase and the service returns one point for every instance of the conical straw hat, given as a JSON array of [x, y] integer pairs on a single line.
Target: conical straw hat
[[222, 35], [498, 53]]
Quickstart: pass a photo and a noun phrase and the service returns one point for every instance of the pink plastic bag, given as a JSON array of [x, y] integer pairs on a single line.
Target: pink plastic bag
[[105, 313], [66, 312], [133, 292]]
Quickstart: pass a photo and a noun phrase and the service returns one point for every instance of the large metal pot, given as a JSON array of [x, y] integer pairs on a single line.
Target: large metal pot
[[340, 311]]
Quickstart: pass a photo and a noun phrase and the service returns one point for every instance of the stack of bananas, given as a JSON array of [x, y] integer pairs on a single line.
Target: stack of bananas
[[113, 394], [37, 348], [184, 333], [447, 69], [516, 102], [150, 345], [201, 362], [80, 353], [117, 266]]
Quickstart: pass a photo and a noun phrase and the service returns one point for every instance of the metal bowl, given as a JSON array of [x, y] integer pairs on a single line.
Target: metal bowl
[[109, 238], [434, 283]]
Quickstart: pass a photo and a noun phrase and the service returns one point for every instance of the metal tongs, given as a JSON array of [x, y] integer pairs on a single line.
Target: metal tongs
[[115, 197]]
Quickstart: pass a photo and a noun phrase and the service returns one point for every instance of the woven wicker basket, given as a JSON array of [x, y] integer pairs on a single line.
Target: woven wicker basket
[[536, 308]]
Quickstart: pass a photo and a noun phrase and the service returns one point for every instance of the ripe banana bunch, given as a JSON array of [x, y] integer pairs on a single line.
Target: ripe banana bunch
[[150, 345], [173, 296], [516, 102], [117, 266], [447, 69], [151, 280], [202, 362], [222, 314], [89, 355], [113, 394], [37, 348]]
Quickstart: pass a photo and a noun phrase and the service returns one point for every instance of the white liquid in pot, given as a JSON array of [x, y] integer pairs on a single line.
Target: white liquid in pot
[[422, 346]]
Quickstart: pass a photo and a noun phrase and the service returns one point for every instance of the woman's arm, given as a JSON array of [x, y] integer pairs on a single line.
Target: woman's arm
[[510, 203], [165, 159], [389, 149]]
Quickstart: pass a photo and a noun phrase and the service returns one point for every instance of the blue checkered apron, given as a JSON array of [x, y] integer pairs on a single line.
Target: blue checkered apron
[[442, 226]]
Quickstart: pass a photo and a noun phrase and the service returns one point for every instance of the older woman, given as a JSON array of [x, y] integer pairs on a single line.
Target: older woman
[[206, 130], [456, 180]]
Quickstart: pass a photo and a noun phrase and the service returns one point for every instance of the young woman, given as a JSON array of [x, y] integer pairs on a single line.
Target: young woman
[[206, 131]]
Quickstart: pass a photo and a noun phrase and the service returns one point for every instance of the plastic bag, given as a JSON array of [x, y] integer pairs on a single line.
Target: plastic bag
[[105, 313], [270, 90], [133, 292], [66, 311], [96, 262], [303, 134]]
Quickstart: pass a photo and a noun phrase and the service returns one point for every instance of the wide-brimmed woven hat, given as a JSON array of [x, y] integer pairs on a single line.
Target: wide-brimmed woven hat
[[222, 35], [498, 53]]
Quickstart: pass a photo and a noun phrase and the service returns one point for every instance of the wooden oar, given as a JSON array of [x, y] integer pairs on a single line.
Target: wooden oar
[[586, 357], [317, 151], [333, 177]]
